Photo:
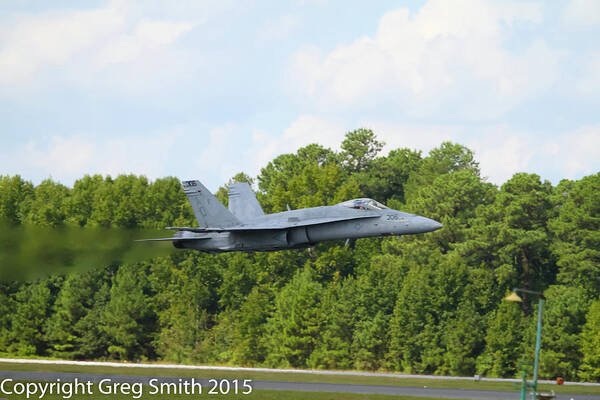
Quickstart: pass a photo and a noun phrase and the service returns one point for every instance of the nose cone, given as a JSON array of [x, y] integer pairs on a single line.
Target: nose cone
[[436, 225], [427, 225]]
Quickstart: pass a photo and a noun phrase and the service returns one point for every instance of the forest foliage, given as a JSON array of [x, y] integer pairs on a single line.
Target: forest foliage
[[429, 303]]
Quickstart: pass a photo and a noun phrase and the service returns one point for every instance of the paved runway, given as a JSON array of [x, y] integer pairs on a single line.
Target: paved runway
[[296, 386]]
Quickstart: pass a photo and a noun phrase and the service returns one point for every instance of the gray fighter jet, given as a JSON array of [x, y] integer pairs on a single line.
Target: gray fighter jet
[[245, 227]]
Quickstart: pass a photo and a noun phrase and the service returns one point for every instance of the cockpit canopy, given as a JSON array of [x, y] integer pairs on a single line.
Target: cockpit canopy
[[364, 204]]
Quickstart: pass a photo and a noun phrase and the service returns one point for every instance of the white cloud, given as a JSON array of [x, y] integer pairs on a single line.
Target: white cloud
[[148, 35], [448, 58], [582, 13], [306, 129], [502, 151], [231, 148], [579, 152], [76, 46], [499, 161], [413, 136], [64, 155], [220, 156], [589, 82], [279, 29], [214, 157], [69, 158], [52, 39]]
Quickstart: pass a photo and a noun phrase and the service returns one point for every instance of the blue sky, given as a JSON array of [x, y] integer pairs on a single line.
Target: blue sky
[[206, 89]]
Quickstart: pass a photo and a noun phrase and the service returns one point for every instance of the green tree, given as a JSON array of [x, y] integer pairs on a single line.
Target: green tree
[[129, 318], [33, 303], [249, 344], [184, 294], [15, 194], [463, 340], [276, 176], [446, 159], [6, 312], [427, 302], [449, 158], [452, 199], [359, 149], [81, 202], [166, 205], [338, 306], [73, 302], [563, 318], [183, 326], [378, 282], [313, 186], [93, 338], [577, 234], [503, 342], [104, 203], [386, 177], [238, 279], [511, 236], [49, 205], [130, 192], [218, 344], [370, 342], [590, 344], [294, 328], [333, 261]]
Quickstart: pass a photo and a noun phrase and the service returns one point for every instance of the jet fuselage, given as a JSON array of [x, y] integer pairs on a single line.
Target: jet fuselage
[[368, 223], [245, 227]]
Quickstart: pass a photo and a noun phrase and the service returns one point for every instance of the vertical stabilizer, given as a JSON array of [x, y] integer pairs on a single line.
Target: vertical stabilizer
[[208, 209], [243, 203]]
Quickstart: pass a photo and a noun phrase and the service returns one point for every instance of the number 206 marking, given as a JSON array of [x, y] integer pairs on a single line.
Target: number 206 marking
[[392, 217]]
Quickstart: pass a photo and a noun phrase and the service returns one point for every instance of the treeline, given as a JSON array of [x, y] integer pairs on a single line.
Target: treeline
[[428, 303]]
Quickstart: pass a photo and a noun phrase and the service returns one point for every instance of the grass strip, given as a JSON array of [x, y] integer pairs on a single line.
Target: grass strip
[[146, 393], [293, 377]]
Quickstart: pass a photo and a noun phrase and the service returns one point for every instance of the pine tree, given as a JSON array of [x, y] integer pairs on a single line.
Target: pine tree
[[33, 303], [129, 319], [503, 342], [577, 234], [590, 344], [294, 328]]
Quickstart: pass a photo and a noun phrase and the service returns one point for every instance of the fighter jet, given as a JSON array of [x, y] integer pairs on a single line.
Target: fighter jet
[[245, 227]]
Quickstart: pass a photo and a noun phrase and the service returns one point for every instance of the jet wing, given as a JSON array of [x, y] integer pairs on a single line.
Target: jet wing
[[291, 223]]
